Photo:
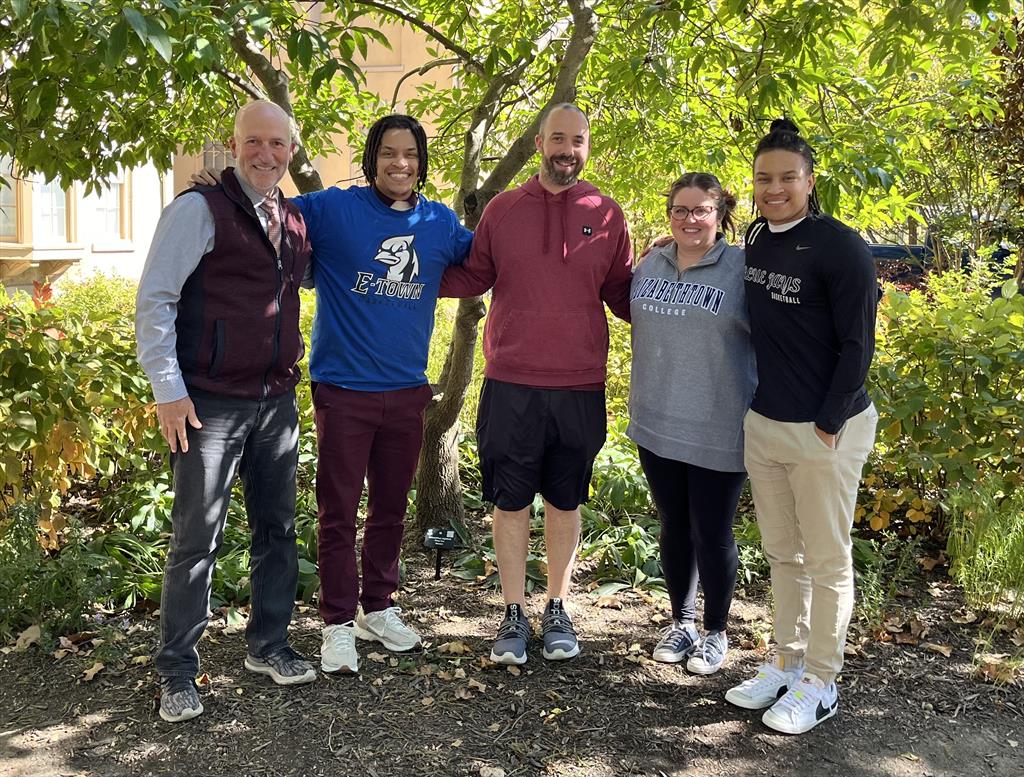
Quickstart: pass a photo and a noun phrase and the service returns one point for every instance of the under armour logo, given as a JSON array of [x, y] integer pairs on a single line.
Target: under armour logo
[[588, 231]]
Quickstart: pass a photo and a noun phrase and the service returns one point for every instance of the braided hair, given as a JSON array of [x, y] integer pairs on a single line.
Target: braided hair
[[710, 185], [783, 135], [376, 135]]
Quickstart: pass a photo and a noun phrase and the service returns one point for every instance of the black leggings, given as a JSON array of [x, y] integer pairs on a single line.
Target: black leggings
[[696, 507]]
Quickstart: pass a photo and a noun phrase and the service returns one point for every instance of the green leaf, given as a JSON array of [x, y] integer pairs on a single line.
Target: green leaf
[[25, 421], [159, 39], [116, 44], [20, 8], [1009, 289], [137, 21]]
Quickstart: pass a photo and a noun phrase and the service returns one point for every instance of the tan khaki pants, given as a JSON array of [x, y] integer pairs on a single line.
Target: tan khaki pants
[[805, 495]]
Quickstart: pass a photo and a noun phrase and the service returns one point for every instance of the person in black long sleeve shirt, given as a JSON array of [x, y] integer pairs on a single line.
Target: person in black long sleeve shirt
[[812, 297]]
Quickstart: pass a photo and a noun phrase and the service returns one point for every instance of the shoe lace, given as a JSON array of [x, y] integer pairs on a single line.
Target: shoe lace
[[797, 698], [285, 657], [392, 619], [556, 621], [178, 684], [514, 627], [675, 637], [712, 649], [342, 638]]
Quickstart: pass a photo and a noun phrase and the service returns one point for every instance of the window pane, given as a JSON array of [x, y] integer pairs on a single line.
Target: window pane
[[49, 212], [217, 156], [8, 201], [108, 212]]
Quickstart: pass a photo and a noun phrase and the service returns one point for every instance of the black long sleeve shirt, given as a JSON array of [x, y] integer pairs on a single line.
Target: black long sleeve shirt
[[813, 296]]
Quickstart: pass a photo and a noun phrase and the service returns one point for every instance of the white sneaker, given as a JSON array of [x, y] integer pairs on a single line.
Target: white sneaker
[[338, 651], [805, 705], [386, 627], [764, 688], [710, 654]]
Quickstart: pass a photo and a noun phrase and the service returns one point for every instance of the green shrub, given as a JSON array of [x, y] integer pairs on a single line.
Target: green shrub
[[986, 543], [948, 379], [882, 567], [54, 589], [99, 298]]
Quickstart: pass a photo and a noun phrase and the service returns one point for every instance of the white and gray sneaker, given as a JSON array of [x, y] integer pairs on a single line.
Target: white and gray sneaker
[[710, 654], [386, 627], [284, 667], [677, 642], [763, 689], [179, 699], [805, 705], [338, 651]]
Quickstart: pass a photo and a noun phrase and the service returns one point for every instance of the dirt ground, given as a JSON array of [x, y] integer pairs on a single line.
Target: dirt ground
[[906, 710]]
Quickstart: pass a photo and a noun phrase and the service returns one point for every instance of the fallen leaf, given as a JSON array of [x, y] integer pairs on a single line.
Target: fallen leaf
[[92, 671], [494, 728], [995, 668], [658, 618], [426, 701], [459, 674], [380, 658], [443, 675], [928, 563], [141, 660], [963, 617], [918, 628], [894, 624], [492, 771], [455, 648], [464, 693], [59, 654], [910, 757], [515, 671], [1018, 637], [203, 680], [906, 639], [608, 602], [29, 636], [945, 650], [457, 743], [477, 685]]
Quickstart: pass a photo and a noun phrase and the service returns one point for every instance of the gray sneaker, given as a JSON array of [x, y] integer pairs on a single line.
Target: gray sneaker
[[710, 654], [513, 635], [677, 642], [284, 666], [560, 640], [179, 699]]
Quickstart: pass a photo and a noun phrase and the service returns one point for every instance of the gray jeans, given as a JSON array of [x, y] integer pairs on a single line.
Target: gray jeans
[[258, 441]]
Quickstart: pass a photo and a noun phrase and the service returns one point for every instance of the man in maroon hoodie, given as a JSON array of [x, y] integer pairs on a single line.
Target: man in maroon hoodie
[[554, 251]]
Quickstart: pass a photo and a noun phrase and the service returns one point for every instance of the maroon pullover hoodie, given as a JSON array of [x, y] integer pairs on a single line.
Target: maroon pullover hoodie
[[552, 260]]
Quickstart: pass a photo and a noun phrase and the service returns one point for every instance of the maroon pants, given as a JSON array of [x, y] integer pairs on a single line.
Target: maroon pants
[[374, 435]]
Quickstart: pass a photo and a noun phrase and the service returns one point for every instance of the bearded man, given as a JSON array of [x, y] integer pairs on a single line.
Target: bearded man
[[555, 251]]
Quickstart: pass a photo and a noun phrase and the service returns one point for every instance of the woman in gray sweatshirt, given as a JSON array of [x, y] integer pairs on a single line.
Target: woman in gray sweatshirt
[[693, 378]]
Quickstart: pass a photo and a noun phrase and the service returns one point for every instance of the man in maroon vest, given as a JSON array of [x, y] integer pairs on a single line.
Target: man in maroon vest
[[217, 323]]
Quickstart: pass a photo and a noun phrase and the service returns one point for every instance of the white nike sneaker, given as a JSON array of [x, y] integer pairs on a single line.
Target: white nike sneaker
[[386, 626], [805, 705], [764, 688]]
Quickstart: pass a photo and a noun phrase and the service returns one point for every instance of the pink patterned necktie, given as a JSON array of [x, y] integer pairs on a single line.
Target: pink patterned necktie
[[269, 206]]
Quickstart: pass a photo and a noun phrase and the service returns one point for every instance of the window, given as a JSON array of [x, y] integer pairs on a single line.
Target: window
[[8, 201], [217, 156], [49, 212]]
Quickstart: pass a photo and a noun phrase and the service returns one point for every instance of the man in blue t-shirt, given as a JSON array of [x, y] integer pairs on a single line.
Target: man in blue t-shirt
[[379, 252], [378, 255]]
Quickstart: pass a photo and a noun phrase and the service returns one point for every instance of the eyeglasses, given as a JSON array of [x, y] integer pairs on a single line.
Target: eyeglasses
[[701, 212]]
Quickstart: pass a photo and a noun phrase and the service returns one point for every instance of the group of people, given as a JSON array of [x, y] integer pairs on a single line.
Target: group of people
[[745, 360]]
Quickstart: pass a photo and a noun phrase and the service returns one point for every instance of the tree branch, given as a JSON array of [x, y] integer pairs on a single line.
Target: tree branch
[[584, 33], [419, 71], [463, 54], [275, 82]]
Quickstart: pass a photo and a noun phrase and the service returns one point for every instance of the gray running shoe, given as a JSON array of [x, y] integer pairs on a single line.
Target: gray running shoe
[[179, 699], [513, 635], [284, 666], [560, 640]]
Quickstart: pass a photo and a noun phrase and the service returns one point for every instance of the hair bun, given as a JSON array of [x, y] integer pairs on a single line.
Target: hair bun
[[783, 125]]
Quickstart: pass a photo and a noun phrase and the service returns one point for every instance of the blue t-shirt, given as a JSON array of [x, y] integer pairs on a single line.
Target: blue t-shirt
[[377, 272]]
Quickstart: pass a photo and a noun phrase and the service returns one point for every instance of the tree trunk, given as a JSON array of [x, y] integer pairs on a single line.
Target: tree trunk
[[438, 487]]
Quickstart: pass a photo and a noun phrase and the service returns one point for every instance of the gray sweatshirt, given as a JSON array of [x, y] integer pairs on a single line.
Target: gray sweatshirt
[[693, 373]]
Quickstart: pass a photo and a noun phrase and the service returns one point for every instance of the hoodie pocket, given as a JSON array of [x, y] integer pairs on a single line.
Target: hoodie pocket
[[552, 341]]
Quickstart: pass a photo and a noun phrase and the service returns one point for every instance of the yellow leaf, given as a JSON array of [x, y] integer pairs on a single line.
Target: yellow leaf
[[140, 660], [608, 602], [29, 636], [92, 671], [454, 648]]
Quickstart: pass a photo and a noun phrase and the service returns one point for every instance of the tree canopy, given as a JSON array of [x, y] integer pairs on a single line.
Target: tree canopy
[[668, 84]]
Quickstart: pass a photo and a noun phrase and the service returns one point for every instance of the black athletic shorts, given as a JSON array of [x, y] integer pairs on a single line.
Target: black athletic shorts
[[536, 440]]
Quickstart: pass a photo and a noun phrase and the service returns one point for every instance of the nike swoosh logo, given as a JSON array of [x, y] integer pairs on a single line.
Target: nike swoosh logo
[[803, 248], [822, 711]]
